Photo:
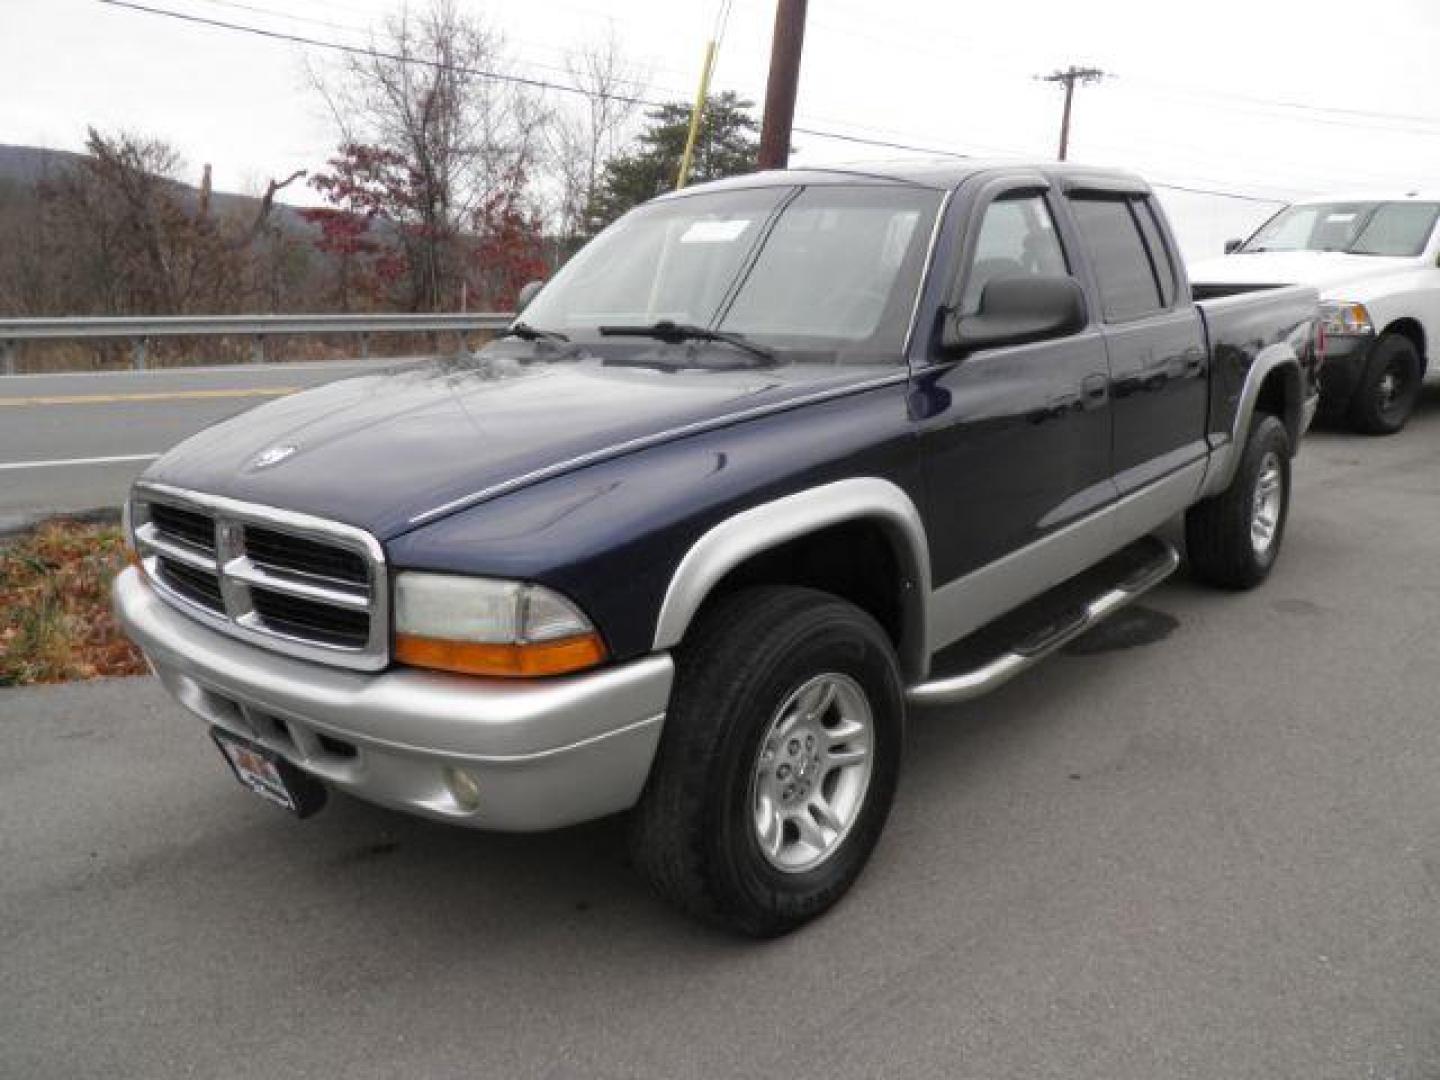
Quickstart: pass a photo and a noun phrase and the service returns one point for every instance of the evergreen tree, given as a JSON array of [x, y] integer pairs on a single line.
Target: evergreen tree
[[728, 144]]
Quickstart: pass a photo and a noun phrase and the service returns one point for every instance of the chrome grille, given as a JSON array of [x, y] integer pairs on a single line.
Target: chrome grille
[[282, 551], [290, 582], [184, 526]]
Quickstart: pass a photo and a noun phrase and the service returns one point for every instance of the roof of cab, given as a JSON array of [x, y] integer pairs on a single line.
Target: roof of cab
[[938, 173]]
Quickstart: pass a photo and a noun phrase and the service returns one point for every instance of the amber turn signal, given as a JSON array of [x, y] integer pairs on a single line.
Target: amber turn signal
[[530, 660]]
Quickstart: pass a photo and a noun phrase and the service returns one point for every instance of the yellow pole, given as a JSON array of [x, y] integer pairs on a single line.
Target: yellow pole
[[695, 116]]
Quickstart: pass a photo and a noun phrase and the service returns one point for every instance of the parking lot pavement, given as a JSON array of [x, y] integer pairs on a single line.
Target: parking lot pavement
[[1206, 843]]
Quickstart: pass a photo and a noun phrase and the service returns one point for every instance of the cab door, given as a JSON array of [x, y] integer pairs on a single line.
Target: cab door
[[1015, 440], [1159, 359]]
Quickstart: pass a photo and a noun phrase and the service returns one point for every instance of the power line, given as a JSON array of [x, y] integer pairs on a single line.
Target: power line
[[1220, 194], [990, 51], [1369, 114], [1265, 106], [273, 13], [367, 32], [358, 50], [939, 152], [538, 84], [883, 144], [544, 84]]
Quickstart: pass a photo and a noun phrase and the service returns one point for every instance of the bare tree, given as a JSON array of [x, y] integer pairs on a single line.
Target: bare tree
[[426, 95], [127, 237], [264, 207], [587, 134], [118, 232]]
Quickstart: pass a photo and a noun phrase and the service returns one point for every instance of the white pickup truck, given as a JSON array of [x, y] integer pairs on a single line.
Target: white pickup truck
[[1376, 261]]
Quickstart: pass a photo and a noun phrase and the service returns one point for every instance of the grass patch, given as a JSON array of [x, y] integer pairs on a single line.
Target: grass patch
[[55, 619]]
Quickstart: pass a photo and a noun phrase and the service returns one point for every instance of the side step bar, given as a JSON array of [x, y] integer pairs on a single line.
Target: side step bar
[[1032, 649]]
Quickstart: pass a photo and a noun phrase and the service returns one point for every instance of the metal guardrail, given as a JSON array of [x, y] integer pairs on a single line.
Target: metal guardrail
[[139, 331]]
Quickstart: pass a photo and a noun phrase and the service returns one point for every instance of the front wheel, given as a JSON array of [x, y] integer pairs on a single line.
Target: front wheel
[[778, 763], [1233, 539], [1389, 387]]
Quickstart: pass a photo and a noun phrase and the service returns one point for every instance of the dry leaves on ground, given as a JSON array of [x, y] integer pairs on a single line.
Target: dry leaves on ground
[[55, 618]]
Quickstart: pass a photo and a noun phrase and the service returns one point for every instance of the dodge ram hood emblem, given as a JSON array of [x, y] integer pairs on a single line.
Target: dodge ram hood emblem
[[272, 456]]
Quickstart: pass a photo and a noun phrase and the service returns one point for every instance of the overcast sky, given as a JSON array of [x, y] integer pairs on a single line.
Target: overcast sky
[[1271, 100]]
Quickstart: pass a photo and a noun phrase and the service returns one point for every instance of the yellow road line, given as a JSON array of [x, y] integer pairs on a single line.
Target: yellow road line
[[162, 395]]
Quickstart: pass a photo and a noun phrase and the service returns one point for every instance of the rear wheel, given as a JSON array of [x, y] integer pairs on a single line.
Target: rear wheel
[[1388, 388], [778, 763], [1233, 539]]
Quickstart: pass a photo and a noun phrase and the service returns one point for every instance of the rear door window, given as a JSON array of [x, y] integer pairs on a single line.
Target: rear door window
[[1129, 288], [1160, 255]]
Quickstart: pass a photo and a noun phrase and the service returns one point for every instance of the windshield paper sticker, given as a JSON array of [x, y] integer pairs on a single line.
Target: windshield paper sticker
[[714, 232]]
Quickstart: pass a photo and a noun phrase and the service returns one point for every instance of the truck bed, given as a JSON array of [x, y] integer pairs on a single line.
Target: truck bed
[[1241, 321]]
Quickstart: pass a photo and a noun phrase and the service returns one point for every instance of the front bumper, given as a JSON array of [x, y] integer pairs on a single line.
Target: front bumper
[[1345, 359], [543, 754]]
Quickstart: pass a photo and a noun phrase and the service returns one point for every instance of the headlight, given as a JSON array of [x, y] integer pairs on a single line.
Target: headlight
[[478, 626], [1344, 319]]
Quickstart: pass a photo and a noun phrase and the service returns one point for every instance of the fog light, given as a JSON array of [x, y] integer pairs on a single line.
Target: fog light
[[464, 787]]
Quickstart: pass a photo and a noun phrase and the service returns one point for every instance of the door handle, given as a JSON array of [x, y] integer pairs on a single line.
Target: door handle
[[1094, 390]]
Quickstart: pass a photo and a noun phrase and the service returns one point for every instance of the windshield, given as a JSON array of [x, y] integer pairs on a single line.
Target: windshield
[[1361, 228], [825, 272]]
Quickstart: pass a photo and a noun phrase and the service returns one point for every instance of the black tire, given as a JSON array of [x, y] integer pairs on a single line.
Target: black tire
[[1388, 387], [693, 835], [1218, 532]]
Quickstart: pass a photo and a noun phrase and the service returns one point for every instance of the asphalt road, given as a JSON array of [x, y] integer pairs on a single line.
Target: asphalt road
[[75, 441], [1204, 843]]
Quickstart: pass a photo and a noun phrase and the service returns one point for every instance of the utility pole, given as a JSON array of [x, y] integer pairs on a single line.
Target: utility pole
[[782, 85], [1069, 77]]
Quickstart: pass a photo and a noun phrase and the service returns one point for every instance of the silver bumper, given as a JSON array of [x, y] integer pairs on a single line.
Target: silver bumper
[[540, 754]]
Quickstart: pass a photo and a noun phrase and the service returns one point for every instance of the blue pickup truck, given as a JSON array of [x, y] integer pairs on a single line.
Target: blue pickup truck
[[769, 463]]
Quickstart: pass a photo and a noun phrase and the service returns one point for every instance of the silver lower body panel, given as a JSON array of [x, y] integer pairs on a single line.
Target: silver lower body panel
[[541, 754]]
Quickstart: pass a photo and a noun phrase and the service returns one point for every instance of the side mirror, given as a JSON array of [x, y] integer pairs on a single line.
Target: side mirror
[[526, 294], [1014, 310], [1232, 246]]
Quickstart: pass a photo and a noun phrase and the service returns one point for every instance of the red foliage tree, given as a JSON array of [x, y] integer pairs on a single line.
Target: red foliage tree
[[344, 237], [509, 247], [364, 185], [381, 232]]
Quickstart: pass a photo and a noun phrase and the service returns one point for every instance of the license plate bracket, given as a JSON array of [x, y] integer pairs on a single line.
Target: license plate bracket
[[269, 775]]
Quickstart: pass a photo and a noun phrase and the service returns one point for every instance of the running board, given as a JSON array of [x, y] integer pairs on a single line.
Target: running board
[[1133, 572]]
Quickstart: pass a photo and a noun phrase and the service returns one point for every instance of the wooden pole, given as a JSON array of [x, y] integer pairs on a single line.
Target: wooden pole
[[1068, 78], [783, 84]]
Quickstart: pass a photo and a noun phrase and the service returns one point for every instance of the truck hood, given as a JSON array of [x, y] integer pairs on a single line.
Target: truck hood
[[1329, 271], [381, 451]]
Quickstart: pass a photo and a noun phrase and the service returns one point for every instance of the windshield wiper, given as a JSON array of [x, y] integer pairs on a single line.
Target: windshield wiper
[[673, 333], [525, 332]]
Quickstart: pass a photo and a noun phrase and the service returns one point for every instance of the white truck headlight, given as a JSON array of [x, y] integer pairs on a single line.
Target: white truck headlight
[[479, 626], [1342, 318]]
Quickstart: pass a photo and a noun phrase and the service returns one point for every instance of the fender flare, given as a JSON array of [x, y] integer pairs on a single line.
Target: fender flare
[[760, 528], [1225, 458]]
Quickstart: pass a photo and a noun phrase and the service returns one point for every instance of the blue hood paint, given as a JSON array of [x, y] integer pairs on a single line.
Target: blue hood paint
[[379, 451]]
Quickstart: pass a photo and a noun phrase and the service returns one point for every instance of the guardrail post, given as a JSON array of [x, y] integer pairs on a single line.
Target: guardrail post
[[257, 349], [8, 351], [364, 345], [138, 349]]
